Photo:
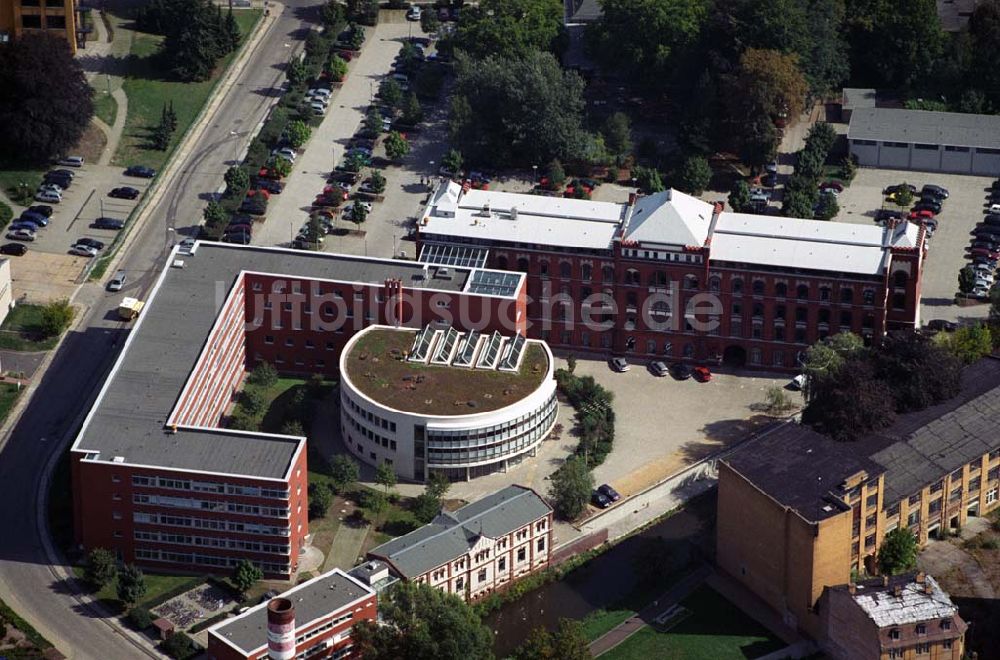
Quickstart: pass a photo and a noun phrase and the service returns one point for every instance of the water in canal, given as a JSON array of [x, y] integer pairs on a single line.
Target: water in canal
[[602, 582]]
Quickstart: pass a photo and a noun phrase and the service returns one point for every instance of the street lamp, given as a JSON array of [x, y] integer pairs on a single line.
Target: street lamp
[[534, 173]]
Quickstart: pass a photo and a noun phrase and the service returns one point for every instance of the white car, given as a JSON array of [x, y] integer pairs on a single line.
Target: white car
[[994, 208], [319, 91], [50, 187], [83, 251], [318, 108], [413, 14], [48, 197], [72, 161], [21, 235], [286, 153]]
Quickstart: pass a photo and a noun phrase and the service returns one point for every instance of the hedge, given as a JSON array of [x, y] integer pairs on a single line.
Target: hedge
[[33, 636]]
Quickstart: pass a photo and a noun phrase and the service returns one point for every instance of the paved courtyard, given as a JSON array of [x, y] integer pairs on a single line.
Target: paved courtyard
[[946, 256]]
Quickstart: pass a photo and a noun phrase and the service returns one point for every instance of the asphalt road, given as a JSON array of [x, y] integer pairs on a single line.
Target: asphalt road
[[27, 582]]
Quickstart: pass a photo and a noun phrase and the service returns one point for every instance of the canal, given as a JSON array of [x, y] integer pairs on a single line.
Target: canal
[[611, 579]]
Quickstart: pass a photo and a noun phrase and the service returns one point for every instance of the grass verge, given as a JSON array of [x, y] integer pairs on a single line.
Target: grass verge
[[10, 616], [9, 393], [21, 330], [715, 628], [105, 106]]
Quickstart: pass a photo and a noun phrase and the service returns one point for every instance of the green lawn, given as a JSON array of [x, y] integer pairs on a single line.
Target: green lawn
[[599, 622], [105, 106], [20, 330], [9, 392], [147, 93], [715, 629], [13, 174], [157, 584]]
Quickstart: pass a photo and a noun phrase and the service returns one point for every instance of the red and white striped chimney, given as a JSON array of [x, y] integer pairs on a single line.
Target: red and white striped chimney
[[280, 629]]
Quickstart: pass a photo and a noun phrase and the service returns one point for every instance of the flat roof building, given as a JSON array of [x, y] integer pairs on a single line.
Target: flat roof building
[[894, 138], [317, 619], [474, 550], [798, 512]]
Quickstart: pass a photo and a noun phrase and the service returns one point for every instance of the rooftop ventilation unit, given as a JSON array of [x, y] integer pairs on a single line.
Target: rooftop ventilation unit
[[177, 263]]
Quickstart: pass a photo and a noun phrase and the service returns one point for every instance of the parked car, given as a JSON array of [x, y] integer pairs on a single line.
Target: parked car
[[29, 226], [985, 252], [938, 325], [21, 235], [992, 219], [318, 109], [108, 223], [680, 371], [920, 214], [270, 185], [61, 180], [48, 197], [14, 249], [994, 208], [986, 230], [187, 244], [71, 161], [413, 13], [41, 209], [619, 364], [90, 242], [319, 91], [37, 218], [140, 171], [600, 500], [937, 191], [609, 492], [124, 192], [701, 374], [237, 238], [83, 251], [658, 368], [982, 243], [883, 215], [62, 172], [832, 185], [53, 188], [286, 153], [900, 186], [117, 281]]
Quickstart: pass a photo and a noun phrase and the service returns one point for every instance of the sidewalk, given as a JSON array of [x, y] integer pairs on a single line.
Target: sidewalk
[[633, 624]]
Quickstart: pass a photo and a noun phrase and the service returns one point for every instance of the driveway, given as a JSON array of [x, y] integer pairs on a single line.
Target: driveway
[[946, 256]]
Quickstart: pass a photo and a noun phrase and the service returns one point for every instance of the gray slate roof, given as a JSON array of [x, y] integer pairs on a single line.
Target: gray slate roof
[[925, 127], [916, 451], [451, 535], [128, 418], [314, 599], [858, 97]]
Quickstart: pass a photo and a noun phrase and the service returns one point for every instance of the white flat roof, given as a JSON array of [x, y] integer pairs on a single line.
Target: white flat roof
[[539, 219], [798, 243]]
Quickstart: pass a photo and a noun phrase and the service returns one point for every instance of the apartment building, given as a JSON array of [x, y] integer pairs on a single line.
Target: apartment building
[[798, 512], [20, 17], [475, 550], [311, 620], [155, 477], [668, 276], [904, 617]]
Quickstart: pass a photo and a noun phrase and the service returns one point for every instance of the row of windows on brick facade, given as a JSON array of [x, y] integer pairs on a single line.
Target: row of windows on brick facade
[[210, 505], [153, 554], [209, 487], [169, 520], [211, 542], [521, 556]]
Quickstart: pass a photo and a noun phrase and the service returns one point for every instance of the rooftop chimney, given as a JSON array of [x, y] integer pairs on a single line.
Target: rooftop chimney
[[280, 629]]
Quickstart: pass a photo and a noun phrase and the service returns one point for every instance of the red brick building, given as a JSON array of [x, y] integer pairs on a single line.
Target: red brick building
[[154, 477], [311, 620], [669, 276]]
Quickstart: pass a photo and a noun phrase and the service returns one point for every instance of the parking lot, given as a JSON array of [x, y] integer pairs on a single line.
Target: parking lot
[[84, 201], [946, 255]]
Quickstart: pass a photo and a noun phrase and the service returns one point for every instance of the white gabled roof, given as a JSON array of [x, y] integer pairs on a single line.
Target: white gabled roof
[[913, 605], [669, 218]]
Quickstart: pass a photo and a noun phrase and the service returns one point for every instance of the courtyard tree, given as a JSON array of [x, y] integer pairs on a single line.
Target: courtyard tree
[[921, 373], [694, 175], [281, 166], [337, 68], [556, 174], [647, 179], [425, 507], [421, 621], [452, 161], [898, 553], [396, 146], [849, 402], [131, 585], [45, 100], [969, 343], [571, 486], [510, 28], [772, 83], [438, 484], [373, 120], [264, 375], [359, 212], [214, 214], [827, 208], [377, 179], [344, 472], [385, 476], [391, 93], [245, 575], [739, 196], [412, 113], [617, 133], [332, 14], [320, 499], [101, 568]]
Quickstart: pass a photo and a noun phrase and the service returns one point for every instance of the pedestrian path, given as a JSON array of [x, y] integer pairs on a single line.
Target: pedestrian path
[[346, 546], [666, 601]]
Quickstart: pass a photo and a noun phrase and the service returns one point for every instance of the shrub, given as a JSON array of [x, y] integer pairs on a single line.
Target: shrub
[[298, 132], [56, 317], [245, 575], [101, 569], [179, 646], [6, 214], [264, 375], [320, 499], [140, 618], [253, 402]]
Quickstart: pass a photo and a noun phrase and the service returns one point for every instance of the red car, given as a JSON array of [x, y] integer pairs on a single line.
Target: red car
[[325, 213], [268, 173], [917, 215], [832, 185], [261, 192], [702, 374], [985, 252], [323, 200]]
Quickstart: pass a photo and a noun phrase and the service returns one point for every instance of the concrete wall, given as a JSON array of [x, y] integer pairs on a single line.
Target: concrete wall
[[6, 290]]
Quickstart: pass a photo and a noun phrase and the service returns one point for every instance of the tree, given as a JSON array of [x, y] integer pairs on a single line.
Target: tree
[[101, 569], [772, 83], [56, 317], [921, 372], [438, 484], [363, 11], [984, 57], [777, 401], [162, 132], [296, 71], [42, 116], [344, 472], [385, 476], [694, 175], [827, 208], [618, 135], [281, 166], [413, 114], [452, 161], [359, 212], [739, 196], [757, 139], [492, 123], [332, 14], [373, 120], [245, 575], [179, 645], [396, 146], [904, 198], [264, 376], [231, 32], [571, 487], [375, 503], [423, 622], [429, 22], [171, 116], [391, 93], [556, 174], [140, 618], [214, 214], [337, 68], [320, 499], [292, 427], [237, 181], [425, 507], [298, 132], [567, 642], [850, 402], [826, 357], [894, 43], [969, 343], [898, 553], [131, 585], [647, 179], [196, 36], [571, 363], [797, 204], [510, 28], [967, 279], [253, 401], [377, 179]]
